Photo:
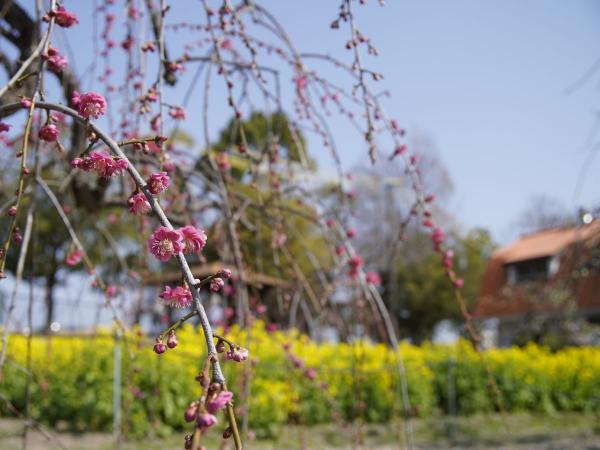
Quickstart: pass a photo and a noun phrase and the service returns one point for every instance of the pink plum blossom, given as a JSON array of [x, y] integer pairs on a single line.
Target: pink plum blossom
[[179, 297], [194, 239], [165, 243], [373, 278], [206, 420], [219, 402], [158, 182], [138, 204], [177, 113], [56, 61], [64, 18], [437, 236], [49, 133], [91, 105], [74, 257], [237, 354]]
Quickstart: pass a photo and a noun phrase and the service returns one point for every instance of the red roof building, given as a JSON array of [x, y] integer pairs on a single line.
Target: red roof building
[[545, 273]]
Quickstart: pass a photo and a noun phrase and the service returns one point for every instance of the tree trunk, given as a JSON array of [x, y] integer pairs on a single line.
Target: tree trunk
[[49, 299]]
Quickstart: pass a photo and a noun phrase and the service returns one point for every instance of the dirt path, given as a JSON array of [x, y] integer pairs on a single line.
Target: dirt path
[[571, 437]]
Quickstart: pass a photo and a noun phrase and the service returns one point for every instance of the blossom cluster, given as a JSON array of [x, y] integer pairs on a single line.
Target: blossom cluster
[[160, 347], [56, 62], [178, 297], [165, 242], [105, 165], [62, 17], [203, 413], [89, 104], [49, 133]]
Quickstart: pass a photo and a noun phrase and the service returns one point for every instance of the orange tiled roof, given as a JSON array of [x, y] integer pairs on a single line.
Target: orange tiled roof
[[545, 243]]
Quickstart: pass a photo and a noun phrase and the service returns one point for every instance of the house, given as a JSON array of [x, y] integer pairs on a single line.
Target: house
[[541, 277]]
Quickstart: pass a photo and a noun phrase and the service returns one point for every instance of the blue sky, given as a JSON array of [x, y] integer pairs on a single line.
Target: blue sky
[[486, 80]]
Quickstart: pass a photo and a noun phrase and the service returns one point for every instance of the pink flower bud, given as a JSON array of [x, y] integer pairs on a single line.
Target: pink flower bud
[[17, 237], [206, 420], [172, 340], [437, 236], [190, 413], [12, 211], [159, 348], [219, 402], [310, 373], [49, 133], [74, 258], [139, 204], [458, 283], [64, 18], [216, 284], [237, 354], [224, 273], [373, 278]]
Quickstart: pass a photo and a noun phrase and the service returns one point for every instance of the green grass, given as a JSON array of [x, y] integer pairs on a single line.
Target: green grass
[[516, 431], [459, 432]]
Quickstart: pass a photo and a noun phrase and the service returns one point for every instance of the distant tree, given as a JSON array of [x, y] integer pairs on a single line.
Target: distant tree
[[543, 212], [417, 291]]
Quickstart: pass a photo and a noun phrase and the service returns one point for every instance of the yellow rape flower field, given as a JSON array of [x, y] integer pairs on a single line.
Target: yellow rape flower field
[[296, 384]]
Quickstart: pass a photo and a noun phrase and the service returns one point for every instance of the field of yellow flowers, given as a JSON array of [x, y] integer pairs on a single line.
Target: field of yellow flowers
[[291, 380]]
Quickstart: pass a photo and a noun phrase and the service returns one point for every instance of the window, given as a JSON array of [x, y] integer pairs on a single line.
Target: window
[[529, 270]]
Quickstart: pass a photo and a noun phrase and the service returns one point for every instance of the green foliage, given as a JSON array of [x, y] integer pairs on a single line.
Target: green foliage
[[423, 296], [262, 131]]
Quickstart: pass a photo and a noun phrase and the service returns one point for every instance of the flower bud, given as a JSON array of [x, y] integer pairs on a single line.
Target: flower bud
[[224, 273], [458, 283], [17, 237], [206, 420], [191, 412], [159, 347], [216, 284], [172, 340]]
